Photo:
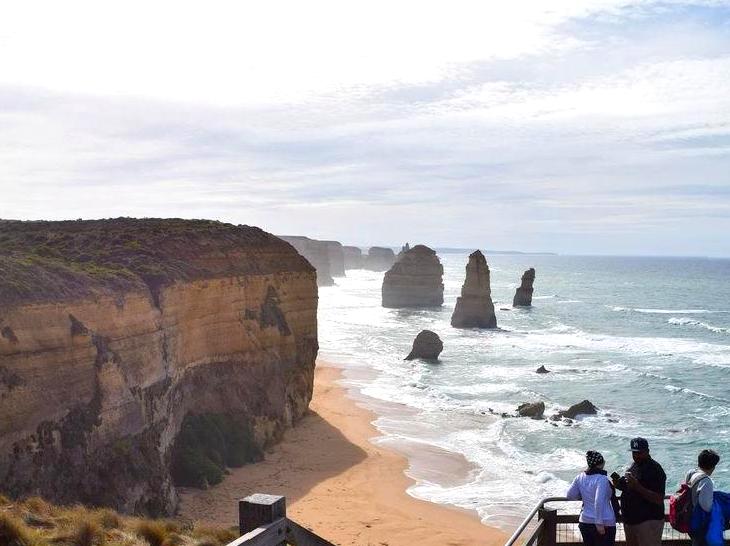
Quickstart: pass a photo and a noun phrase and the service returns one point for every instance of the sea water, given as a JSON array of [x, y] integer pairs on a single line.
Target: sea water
[[647, 340]]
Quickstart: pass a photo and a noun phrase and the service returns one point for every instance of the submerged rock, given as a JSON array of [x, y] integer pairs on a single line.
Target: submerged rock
[[379, 258], [474, 308], [581, 408], [523, 294], [415, 280], [531, 409], [542, 369], [427, 345]]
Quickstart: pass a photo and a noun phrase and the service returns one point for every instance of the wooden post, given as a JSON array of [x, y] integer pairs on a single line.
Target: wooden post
[[549, 517], [257, 510]]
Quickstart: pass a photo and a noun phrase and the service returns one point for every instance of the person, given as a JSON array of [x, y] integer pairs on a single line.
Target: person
[[703, 490], [597, 522], [642, 499]]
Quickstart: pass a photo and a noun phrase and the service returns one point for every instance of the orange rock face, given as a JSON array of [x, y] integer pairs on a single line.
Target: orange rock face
[[93, 389], [474, 308]]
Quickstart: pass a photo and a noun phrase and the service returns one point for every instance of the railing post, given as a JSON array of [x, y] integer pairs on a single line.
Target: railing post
[[257, 510], [549, 517]]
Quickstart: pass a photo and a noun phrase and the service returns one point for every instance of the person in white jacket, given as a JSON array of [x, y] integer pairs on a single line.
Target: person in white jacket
[[597, 521]]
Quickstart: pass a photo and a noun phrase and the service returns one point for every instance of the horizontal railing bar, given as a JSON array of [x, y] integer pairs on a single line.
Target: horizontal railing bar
[[272, 534]]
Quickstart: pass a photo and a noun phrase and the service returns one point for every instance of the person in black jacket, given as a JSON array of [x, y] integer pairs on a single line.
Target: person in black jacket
[[642, 499]]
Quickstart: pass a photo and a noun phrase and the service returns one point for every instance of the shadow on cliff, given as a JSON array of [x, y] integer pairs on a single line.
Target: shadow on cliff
[[310, 453]]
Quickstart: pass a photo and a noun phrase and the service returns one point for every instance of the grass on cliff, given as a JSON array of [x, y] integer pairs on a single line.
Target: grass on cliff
[[34, 522]]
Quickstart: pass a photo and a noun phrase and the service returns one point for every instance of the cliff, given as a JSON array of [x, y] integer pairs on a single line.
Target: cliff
[[353, 257], [336, 256], [316, 253], [523, 294], [474, 308], [118, 334], [415, 280], [379, 258]]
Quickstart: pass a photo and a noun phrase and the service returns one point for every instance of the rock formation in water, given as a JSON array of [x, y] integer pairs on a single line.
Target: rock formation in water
[[121, 335], [353, 257], [316, 253], [336, 257], [523, 294], [474, 308], [379, 258], [542, 369], [415, 280], [581, 408], [427, 345], [534, 410]]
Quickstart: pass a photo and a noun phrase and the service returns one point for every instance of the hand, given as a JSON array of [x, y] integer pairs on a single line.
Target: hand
[[631, 481], [601, 529]]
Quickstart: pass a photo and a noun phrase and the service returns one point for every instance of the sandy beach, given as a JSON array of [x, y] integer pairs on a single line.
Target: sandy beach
[[340, 484]]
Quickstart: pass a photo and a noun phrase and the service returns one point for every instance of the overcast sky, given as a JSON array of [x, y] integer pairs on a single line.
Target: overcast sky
[[595, 126]]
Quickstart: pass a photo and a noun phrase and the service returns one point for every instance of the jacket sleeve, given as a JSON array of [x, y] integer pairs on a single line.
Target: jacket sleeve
[[705, 494], [603, 499], [574, 490]]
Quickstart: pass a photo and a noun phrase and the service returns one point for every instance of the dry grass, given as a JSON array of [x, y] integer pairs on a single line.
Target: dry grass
[[35, 522]]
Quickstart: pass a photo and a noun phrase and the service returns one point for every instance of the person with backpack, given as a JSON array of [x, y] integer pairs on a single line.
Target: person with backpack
[[702, 491], [642, 498], [597, 522]]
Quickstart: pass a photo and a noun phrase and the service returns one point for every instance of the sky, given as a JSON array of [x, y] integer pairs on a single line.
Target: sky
[[577, 127]]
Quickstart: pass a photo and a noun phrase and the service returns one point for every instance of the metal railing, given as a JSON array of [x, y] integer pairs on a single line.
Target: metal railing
[[549, 525]]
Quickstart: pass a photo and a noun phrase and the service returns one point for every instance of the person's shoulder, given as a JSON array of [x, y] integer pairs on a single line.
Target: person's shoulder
[[658, 468]]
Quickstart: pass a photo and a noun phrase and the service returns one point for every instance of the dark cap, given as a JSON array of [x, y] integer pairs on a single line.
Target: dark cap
[[639, 444], [594, 459]]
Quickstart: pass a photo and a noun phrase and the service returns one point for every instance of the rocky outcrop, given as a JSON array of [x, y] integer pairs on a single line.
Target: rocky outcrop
[[427, 345], [415, 280], [316, 253], [379, 258], [336, 258], [523, 294], [353, 257], [474, 308], [535, 410], [581, 408], [124, 330], [542, 369]]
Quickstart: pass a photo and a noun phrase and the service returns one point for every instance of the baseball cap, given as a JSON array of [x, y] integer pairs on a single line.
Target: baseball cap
[[639, 444]]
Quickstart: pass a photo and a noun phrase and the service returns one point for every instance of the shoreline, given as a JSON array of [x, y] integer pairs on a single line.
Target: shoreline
[[340, 483]]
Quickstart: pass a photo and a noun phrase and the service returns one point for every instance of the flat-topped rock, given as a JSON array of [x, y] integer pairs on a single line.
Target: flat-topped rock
[[474, 308], [336, 257], [534, 410], [427, 345], [316, 253], [353, 257], [415, 280], [523, 294], [379, 258]]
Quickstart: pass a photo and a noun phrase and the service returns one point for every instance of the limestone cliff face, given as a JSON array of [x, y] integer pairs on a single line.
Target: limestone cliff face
[[415, 280], [523, 294], [316, 253], [97, 375], [474, 308], [336, 257], [379, 258], [353, 257]]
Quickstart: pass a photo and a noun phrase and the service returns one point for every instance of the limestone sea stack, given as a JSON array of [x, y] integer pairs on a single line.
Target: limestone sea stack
[[353, 257], [427, 345], [137, 355], [523, 294], [474, 308], [415, 280], [379, 258], [316, 253], [336, 257]]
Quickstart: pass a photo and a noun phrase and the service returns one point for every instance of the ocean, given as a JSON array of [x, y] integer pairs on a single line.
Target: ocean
[[647, 340]]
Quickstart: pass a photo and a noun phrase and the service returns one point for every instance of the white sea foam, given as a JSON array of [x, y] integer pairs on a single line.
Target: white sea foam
[[684, 321], [662, 311]]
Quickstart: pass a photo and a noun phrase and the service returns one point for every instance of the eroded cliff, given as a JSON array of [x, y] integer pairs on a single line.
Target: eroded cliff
[[115, 332]]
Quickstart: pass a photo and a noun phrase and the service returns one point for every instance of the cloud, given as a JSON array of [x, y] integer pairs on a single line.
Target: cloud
[[532, 126]]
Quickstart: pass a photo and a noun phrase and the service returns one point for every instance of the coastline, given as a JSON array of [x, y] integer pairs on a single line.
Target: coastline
[[339, 483]]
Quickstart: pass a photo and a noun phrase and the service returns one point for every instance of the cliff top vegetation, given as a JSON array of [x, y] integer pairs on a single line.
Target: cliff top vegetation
[[50, 261]]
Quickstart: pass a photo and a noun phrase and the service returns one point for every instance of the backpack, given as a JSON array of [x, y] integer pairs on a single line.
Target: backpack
[[680, 506]]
